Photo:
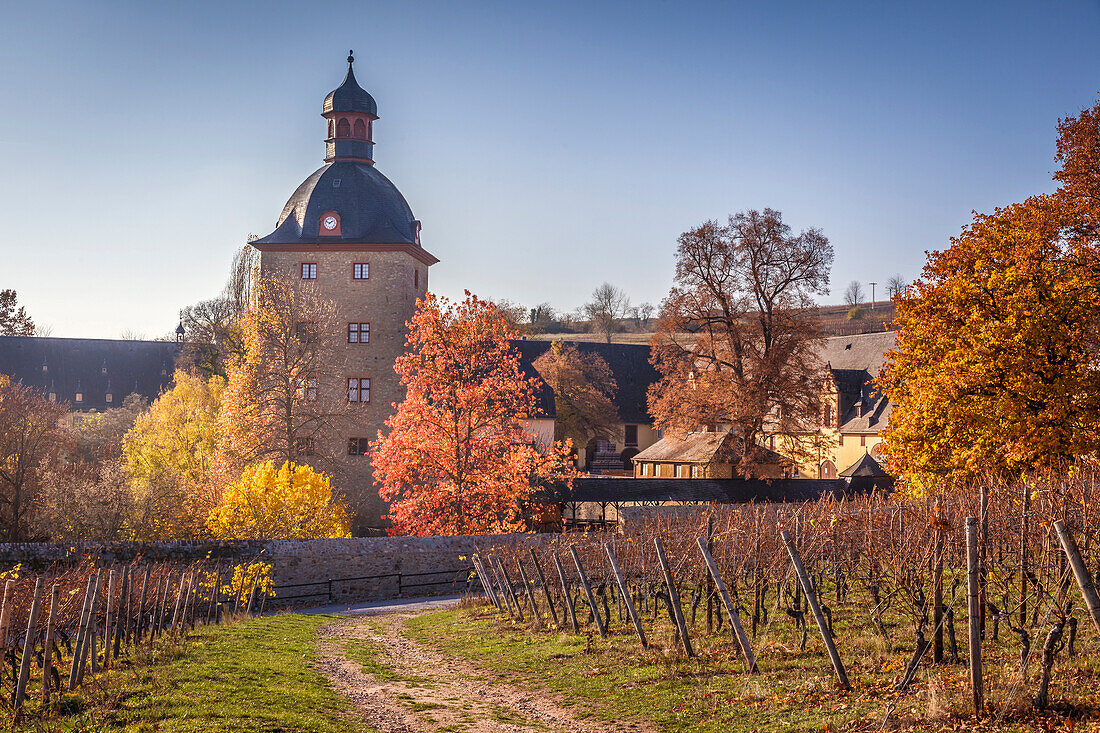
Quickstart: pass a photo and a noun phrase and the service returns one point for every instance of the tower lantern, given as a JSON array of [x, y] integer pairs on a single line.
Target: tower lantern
[[351, 113]]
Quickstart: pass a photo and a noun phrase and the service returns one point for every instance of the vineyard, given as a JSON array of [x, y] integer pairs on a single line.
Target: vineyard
[[980, 582], [58, 628]]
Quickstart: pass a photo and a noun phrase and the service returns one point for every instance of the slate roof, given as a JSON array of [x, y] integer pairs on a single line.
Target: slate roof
[[629, 364], [371, 208], [865, 466], [350, 97], [855, 362], [704, 448], [65, 366], [609, 489]]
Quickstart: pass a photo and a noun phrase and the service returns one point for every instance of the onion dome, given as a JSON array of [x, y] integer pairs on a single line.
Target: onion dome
[[349, 96]]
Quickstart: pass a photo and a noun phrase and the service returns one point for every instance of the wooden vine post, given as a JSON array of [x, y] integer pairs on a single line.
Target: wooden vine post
[[82, 633], [674, 598], [588, 592], [815, 609], [624, 593], [506, 583], [486, 582], [139, 621], [731, 610], [1080, 572], [974, 612], [28, 648], [530, 594], [545, 589], [109, 618], [47, 648], [565, 594]]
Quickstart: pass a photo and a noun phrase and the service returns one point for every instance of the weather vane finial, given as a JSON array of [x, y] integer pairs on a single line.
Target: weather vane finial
[[351, 57]]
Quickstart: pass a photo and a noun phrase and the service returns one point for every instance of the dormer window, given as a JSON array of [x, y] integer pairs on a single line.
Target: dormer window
[[79, 397], [110, 398], [44, 367], [53, 396]]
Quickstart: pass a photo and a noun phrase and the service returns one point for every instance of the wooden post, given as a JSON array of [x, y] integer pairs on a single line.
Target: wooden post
[[93, 632], [974, 622], [530, 594], [486, 582], [252, 593], [624, 594], [983, 511], [109, 617], [1025, 514], [509, 591], [214, 594], [28, 648], [122, 620], [937, 592], [88, 647], [731, 610], [545, 589], [674, 597], [5, 615], [179, 599], [159, 605], [139, 621], [502, 592], [588, 592], [47, 653], [815, 609], [240, 589], [565, 594], [82, 632], [1084, 579]]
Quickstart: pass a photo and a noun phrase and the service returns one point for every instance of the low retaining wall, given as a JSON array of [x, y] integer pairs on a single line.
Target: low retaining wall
[[304, 572]]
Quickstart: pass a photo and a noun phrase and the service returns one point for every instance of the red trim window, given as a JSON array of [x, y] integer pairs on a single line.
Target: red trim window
[[359, 389], [358, 333], [360, 271], [309, 270]]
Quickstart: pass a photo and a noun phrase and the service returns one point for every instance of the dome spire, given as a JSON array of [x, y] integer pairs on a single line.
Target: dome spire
[[351, 59]]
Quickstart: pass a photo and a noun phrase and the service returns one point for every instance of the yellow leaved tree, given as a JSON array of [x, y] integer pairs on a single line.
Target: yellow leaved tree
[[289, 502], [171, 454]]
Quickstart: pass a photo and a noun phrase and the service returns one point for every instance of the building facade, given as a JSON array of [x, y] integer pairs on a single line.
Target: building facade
[[349, 234]]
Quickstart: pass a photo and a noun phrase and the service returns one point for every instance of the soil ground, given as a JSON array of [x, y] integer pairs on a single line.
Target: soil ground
[[401, 687]]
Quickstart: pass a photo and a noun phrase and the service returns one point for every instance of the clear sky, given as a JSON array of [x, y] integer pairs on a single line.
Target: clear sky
[[546, 147]]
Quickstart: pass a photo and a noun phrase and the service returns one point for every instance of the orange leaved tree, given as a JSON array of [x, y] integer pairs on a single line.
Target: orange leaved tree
[[995, 369], [457, 458]]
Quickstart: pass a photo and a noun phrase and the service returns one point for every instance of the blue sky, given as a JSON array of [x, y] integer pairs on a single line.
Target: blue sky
[[546, 147]]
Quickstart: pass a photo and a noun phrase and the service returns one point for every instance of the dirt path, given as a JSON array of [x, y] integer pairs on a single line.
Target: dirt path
[[411, 689]]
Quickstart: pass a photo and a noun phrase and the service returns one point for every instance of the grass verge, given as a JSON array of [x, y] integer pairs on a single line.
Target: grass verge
[[614, 679], [255, 675]]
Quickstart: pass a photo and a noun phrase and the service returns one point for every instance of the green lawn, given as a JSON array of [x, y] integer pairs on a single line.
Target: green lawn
[[609, 679], [256, 675]]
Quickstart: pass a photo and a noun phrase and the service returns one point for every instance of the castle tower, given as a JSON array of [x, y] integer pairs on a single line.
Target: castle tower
[[349, 232]]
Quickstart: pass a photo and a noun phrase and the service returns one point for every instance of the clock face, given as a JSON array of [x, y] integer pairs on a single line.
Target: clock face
[[329, 223]]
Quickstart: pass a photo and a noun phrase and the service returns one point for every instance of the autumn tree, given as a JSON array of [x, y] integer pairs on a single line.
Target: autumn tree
[[584, 393], [606, 309], [457, 458], [995, 365], [172, 456], [87, 495], [289, 502], [285, 395], [14, 320], [30, 439], [735, 344], [853, 294]]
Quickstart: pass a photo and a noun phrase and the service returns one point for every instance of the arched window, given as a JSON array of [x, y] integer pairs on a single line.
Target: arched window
[[360, 130], [343, 128], [331, 128]]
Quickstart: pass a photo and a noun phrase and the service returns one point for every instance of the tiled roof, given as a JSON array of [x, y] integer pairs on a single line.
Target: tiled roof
[[629, 364], [865, 466], [90, 366]]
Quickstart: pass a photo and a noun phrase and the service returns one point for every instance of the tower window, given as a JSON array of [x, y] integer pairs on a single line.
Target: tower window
[[331, 128], [309, 270], [416, 278], [358, 446], [360, 271], [358, 389], [360, 130], [343, 128], [358, 333]]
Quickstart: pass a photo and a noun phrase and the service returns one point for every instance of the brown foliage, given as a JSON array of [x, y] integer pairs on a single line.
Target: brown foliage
[[584, 393], [735, 344], [30, 440]]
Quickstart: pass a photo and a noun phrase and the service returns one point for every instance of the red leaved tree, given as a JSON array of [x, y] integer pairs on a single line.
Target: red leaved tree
[[458, 458]]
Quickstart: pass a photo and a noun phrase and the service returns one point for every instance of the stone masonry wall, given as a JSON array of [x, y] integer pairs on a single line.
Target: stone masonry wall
[[370, 568]]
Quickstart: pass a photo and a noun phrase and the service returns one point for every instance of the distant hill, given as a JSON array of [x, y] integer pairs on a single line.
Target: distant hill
[[833, 318]]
